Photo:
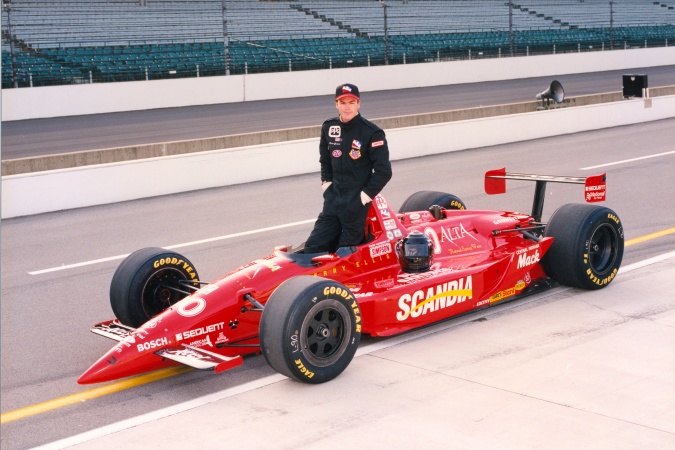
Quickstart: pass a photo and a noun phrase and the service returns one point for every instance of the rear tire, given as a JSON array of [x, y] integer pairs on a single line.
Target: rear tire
[[588, 246], [310, 329], [149, 281], [423, 200]]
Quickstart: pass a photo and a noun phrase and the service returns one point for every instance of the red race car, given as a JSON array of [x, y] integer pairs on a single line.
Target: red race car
[[432, 260]]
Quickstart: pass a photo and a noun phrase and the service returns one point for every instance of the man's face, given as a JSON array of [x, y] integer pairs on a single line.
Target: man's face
[[348, 108]]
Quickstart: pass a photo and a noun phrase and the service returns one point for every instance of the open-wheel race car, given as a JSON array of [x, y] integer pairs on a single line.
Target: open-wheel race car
[[305, 313]]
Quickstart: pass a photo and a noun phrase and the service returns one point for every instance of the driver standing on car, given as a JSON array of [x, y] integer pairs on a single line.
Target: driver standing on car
[[355, 166]]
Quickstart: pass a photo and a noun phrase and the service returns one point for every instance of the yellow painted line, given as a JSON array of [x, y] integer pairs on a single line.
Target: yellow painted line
[[649, 237], [50, 405], [91, 394]]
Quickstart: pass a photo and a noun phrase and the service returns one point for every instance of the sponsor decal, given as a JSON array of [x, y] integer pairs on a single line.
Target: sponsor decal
[[175, 262], [457, 233], [528, 278], [410, 278], [221, 339], [356, 144], [600, 281], [334, 131], [483, 302], [414, 216], [354, 287], [390, 224], [431, 234], [363, 294], [525, 259], [595, 188], [199, 331], [202, 342], [380, 249], [190, 306], [456, 205], [465, 249], [520, 285], [385, 213], [377, 144], [503, 295], [613, 218], [381, 202], [303, 370], [398, 233], [336, 291], [337, 153], [189, 353], [266, 263], [504, 220], [355, 154], [595, 196], [390, 235], [155, 343], [434, 298], [384, 284]]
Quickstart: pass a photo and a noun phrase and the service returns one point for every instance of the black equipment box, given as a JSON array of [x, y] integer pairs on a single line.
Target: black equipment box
[[634, 85]]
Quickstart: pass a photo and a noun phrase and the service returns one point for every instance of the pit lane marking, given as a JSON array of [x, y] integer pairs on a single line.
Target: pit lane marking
[[627, 160], [172, 247], [89, 394]]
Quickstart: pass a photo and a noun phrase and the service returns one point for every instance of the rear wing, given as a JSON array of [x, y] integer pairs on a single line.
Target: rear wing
[[595, 187]]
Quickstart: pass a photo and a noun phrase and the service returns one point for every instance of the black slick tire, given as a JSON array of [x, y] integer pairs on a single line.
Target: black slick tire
[[423, 200], [310, 329], [588, 246], [149, 281]]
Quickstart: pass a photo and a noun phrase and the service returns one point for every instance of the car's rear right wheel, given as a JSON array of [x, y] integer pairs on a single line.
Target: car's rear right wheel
[[587, 248]]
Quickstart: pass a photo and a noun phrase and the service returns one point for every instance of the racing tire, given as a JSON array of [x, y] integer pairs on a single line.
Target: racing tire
[[587, 248], [423, 200], [149, 281], [310, 329]]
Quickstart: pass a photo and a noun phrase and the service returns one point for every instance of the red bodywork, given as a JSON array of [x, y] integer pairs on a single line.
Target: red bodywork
[[478, 261]]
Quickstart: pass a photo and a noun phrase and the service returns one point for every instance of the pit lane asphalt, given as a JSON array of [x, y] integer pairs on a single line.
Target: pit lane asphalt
[[39, 137], [45, 319]]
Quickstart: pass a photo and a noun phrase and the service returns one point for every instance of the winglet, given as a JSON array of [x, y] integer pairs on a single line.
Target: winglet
[[495, 181], [595, 188]]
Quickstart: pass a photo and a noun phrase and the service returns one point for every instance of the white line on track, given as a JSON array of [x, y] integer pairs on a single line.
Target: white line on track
[[271, 379], [172, 247], [627, 160]]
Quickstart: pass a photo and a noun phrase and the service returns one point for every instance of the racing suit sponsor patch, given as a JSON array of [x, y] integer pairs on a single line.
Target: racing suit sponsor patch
[[334, 131], [337, 153], [356, 144], [355, 154], [377, 144]]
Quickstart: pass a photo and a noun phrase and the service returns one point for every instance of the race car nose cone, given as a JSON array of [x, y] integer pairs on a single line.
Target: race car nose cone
[[101, 371], [115, 365]]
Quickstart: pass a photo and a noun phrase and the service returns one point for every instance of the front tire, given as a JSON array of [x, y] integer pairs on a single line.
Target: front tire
[[149, 281], [423, 200], [588, 246], [310, 329]]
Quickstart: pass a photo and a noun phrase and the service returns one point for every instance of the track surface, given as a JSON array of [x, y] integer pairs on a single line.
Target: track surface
[[45, 317], [27, 138]]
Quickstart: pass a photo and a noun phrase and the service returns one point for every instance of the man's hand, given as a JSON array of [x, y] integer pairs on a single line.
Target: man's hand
[[326, 185], [365, 199]]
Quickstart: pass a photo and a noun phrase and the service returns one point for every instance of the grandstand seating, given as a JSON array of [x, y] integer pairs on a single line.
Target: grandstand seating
[[77, 41]]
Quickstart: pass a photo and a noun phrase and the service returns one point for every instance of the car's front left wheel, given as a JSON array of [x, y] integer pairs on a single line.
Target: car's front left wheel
[[310, 329]]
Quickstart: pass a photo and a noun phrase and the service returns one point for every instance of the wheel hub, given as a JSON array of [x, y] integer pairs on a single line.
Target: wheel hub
[[322, 331]]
